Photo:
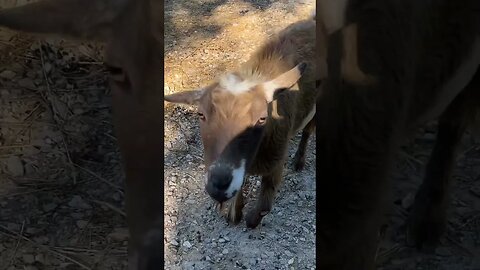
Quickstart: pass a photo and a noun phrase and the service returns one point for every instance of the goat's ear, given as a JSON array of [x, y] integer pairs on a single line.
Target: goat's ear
[[85, 19], [284, 81], [185, 97]]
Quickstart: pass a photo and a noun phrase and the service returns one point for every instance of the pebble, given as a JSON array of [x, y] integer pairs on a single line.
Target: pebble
[[7, 74], [290, 262], [225, 251], [119, 234], [187, 244], [174, 243], [4, 92], [407, 202], [15, 166], [40, 258], [26, 83], [82, 224], [49, 207], [28, 258], [79, 203]]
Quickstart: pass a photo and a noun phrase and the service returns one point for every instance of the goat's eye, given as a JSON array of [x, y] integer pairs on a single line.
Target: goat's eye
[[201, 116], [261, 121]]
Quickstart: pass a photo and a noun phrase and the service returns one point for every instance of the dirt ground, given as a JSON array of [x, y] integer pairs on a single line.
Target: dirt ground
[[204, 39], [61, 185]]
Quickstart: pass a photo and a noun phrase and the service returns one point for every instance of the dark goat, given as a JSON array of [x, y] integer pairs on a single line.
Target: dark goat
[[392, 66]]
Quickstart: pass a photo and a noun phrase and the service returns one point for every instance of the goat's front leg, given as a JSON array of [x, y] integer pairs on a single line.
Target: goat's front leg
[[268, 190], [428, 220], [299, 159], [234, 214]]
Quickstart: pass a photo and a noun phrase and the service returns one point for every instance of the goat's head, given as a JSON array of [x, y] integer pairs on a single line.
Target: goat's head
[[233, 115]]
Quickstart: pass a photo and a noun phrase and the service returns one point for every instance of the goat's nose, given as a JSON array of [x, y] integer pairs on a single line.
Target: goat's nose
[[219, 180]]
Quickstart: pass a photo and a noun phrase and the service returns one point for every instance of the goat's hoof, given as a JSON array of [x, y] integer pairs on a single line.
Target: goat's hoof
[[254, 218], [425, 228], [298, 163]]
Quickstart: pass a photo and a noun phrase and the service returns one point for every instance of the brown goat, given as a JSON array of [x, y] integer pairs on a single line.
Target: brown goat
[[423, 57], [247, 119], [133, 33]]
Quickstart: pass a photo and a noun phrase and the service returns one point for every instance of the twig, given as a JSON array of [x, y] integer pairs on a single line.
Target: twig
[[108, 205], [21, 236], [12, 260], [110, 136], [69, 158], [15, 146], [90, 63], [28, 192], [99, 178], [25, 123], [30, 114], [462, 248], [55, 113], [410, 157], [85, 250]]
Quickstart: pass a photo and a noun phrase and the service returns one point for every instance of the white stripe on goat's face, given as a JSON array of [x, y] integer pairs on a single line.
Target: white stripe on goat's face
[[238, 175]]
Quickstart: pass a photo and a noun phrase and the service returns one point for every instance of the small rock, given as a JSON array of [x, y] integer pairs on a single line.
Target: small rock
[[221, 240], [40, 258], [119, 234], [32, 230], [48, 67], [7, 74], [187, 244], [49, 207], [28, 258], [82, 224], [407, 202], [225, 251], [26, 83], [207, 258], [4, 93], [443, 251], [15, 166], [174, 243], [290, 262], [429, 137], [78, 203]]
